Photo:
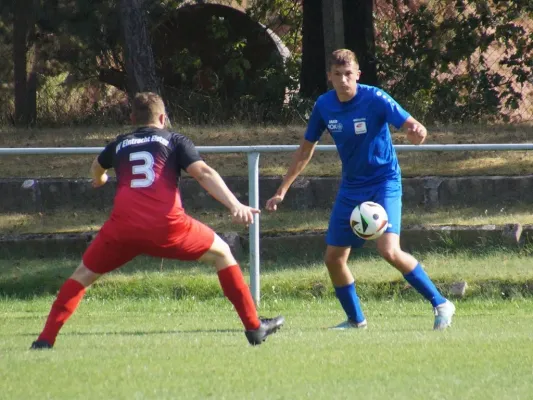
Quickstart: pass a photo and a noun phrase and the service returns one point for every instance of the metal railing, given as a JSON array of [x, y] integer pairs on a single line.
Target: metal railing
[[253, 153]]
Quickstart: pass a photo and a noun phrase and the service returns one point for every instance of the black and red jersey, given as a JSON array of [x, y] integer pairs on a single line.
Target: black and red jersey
[[148, 164]]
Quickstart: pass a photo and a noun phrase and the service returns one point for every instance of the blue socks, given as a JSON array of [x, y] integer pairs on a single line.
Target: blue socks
[[418, 279], [350, 302]]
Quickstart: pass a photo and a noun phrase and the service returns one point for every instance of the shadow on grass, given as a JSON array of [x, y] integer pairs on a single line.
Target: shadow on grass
[[139, 333], [298, 275]]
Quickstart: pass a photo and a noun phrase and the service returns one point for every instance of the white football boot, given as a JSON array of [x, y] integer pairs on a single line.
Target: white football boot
[[349, 324], [443, 315]]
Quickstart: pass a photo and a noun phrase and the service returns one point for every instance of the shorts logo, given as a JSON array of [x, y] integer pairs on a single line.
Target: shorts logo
[[359, 126], [334, 126]]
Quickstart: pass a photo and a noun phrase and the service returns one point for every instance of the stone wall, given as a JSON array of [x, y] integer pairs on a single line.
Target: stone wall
[[19, 195], [302, 245]]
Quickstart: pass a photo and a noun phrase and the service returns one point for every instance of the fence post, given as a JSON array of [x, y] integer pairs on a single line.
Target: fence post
[[253, 196]]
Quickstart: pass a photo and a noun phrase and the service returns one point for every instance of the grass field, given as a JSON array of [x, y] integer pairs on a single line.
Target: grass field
[[164, 349], [162, 330], [323, 164], [69, 220], [491, 273]]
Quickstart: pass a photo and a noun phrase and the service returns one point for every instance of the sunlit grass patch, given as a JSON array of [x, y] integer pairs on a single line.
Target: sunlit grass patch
[[323, 164], [165, 349], [291, 221]]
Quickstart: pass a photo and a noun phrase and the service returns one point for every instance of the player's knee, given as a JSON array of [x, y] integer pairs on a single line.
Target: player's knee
[[332, 261], [389, 253], [223, 249], [219, 254], [84, 275]]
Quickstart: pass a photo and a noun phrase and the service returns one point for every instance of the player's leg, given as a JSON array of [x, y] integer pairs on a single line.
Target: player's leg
[[195, 241], [340, 239], [388, 246], [104, 254], [66, 302], [238, 292], [343, 281], [232, 281]]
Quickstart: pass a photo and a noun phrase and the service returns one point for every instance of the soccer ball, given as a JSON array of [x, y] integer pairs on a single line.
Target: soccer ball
[[369, 220]]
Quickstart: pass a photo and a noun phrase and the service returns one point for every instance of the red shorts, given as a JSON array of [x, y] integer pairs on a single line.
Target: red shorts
[[116, 243]]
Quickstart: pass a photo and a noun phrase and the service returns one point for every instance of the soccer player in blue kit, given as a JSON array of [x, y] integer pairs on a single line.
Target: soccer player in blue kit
[[357, 117]]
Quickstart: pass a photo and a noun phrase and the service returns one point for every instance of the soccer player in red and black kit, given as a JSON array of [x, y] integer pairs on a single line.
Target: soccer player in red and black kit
[[148, 218]]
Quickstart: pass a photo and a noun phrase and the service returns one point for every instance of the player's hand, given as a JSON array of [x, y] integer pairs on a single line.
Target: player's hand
[[272, 203], [100, 181], [417, 133], [242, 214]]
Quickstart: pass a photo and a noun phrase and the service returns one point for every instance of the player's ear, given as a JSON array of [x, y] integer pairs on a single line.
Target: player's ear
[[162, 118]]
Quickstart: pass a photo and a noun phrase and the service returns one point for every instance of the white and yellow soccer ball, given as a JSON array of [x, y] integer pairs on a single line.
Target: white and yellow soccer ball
[[369, 220]]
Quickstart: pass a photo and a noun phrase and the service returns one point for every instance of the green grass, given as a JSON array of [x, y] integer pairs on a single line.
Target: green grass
[[164, 349], [275, 164], [61, 221], [490, 274]]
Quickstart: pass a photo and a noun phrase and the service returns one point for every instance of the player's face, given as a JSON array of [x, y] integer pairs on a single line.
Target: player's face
[[344, 80]]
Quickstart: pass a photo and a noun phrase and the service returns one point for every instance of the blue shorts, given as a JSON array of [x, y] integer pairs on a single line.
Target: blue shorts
[[340, 232]]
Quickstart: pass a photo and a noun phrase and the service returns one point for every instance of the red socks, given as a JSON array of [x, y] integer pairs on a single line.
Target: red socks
[[67, 301], [71, 293], [237, 291]]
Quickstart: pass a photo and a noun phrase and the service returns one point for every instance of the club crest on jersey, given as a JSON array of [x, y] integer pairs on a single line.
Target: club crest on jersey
[[359, 125], [334, 126]]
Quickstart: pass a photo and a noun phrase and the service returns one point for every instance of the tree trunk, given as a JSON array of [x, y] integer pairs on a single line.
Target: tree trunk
[[140, 65], [313, 81], [32, 79], [31, 99], [359, 36], [20, 45], [25, 84], [333, 25]]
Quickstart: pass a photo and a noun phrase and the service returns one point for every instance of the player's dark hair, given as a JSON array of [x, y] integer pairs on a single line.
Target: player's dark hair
[[147, 107], [342, 57]]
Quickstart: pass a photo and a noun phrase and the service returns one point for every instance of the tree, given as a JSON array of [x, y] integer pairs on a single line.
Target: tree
[[25, 87], [359, 36], [140, 65], [313, 73]]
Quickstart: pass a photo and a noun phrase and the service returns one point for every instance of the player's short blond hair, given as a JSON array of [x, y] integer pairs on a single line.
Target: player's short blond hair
[[342, 57], [147, 107]]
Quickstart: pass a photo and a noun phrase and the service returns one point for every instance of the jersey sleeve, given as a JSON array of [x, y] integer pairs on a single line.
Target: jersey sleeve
[[394, 113], [105, 158], [315, 126], [186, 152]]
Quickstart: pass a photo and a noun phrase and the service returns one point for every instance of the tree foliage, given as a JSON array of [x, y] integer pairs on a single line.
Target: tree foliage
[[456, 61], [446, 60]]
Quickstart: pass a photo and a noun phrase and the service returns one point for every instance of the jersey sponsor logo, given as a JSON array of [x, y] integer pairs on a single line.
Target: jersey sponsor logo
[[147, 139], [334, 126], [359, 125]]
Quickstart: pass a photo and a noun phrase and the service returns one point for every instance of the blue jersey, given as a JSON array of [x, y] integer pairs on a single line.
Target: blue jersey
[[360, 129]]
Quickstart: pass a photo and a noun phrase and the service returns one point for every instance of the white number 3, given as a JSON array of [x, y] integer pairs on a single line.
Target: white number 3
[[146, 169]]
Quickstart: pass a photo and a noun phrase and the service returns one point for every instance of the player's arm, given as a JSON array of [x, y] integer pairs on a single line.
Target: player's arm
[[395, 115], [300, 159], [98, 174], [211, 181], [101, 164], [416, 132]]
